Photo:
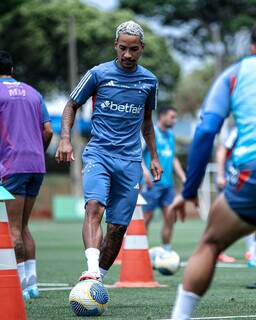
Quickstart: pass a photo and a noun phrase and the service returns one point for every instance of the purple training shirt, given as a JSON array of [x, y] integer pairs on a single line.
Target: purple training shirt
[[22, 114]]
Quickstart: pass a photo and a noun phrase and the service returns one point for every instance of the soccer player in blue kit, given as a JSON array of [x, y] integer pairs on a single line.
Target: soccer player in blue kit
[[233, 214], [124, 95], [161, 194]]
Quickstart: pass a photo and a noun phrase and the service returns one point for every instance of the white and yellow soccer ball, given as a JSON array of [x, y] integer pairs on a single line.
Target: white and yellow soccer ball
[[88, 298], [167, 263], [155, 252]]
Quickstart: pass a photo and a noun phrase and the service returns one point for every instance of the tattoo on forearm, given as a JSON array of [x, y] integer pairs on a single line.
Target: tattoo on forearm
[[68, 118]]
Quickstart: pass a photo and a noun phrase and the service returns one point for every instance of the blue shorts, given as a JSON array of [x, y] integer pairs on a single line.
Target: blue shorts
[[157, 197], [240, 193], [114, 183], [23, 184]]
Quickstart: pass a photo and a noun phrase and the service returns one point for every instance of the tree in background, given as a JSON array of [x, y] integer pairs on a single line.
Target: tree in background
[[199, 20], [192, 88], [36, 34]]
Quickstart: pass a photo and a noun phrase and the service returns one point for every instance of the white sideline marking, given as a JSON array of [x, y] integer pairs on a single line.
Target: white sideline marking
[[52, 284], [225, 317], [57, 287], [223, 265]]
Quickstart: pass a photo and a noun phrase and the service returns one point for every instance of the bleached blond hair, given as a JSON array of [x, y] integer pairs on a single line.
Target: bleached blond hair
[[132, 28]]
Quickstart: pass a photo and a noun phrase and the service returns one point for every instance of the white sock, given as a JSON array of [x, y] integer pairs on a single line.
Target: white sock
[[92, 256], [103, 273], [22, 275], [184, 305], [30, 270], [250, 242]]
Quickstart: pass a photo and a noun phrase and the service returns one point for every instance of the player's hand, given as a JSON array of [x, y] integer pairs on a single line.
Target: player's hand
[[64, 151], [178, 207], [156, 169], [221, 182]]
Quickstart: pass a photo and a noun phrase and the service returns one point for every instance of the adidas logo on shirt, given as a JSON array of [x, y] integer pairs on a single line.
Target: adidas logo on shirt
[[137, 186], [110, 83]]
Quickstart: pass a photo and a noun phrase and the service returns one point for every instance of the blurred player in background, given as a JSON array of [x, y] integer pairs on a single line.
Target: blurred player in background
[[124, 95], [160, 194], [233, 214], [25, 133]]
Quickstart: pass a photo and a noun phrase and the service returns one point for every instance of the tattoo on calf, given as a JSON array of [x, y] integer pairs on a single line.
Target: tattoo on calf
[[111, 245]]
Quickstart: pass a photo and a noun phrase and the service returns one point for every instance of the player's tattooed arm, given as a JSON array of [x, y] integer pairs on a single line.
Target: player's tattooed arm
[[68, 118], [149, 136], [65, 151]]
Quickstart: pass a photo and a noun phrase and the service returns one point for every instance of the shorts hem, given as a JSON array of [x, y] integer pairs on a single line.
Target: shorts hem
[[117, 222]]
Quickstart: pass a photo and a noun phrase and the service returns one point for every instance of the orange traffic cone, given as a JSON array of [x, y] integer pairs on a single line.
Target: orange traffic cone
[[120, 255], [136, 269], [11, 301]]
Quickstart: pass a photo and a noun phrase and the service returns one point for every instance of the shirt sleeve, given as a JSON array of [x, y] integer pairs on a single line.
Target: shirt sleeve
[[151, 102], [85, 88], [218, 99], [231, 139], [45, 113]]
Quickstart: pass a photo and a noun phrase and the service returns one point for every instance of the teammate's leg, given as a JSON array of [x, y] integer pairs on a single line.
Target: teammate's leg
[[30, 249], [15, 216], [167, 229], [200, 269], [148, 215], [151, 195], [167, 195], [32, 186]]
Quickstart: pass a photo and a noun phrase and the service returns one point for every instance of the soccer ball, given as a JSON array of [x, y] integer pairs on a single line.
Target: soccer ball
[[153, 253], [167, 263], [88, 298]]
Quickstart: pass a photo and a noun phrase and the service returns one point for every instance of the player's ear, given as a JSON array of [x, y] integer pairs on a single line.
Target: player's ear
[[115, 45]]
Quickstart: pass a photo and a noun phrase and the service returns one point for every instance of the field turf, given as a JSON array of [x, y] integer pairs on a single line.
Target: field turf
[[61, 259]]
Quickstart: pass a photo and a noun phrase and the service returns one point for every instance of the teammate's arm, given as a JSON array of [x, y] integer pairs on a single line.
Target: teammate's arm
[[149, 137], [47, 134], [179, 170], [221, 156], [215, 110], [46, 123], [147, 175]]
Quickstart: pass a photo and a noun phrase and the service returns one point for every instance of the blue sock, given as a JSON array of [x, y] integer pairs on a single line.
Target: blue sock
[[167, 247]]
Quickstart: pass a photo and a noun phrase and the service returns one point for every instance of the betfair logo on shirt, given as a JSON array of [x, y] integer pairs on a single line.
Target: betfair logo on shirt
[[127, 108]]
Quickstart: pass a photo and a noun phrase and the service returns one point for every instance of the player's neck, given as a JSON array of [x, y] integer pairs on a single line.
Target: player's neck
[[162, 127], [5, 76]]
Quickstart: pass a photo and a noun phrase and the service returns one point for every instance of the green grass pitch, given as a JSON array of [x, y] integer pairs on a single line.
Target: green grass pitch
[[61, 259]]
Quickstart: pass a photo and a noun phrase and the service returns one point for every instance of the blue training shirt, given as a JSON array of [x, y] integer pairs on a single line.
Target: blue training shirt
[[120, 99], [165, 147]]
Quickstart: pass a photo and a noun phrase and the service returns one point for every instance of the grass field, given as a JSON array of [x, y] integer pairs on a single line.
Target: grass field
[[61, 260]]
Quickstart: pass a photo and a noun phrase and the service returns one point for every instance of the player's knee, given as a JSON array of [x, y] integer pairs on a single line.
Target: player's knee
[[209, 239], [19, 248], [94, 210]]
